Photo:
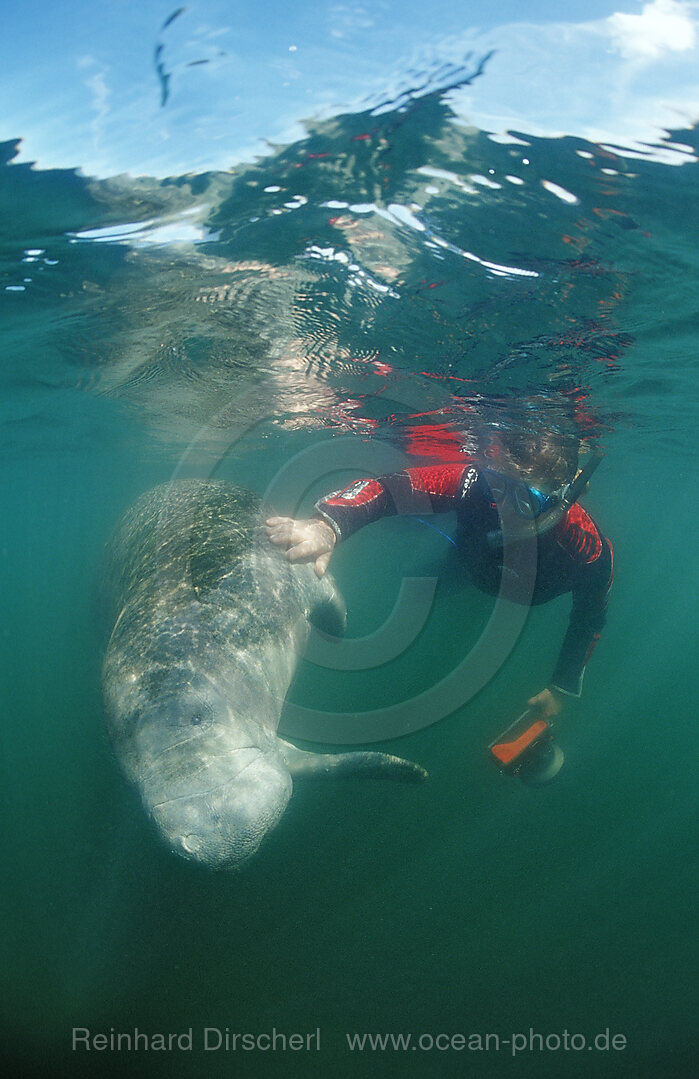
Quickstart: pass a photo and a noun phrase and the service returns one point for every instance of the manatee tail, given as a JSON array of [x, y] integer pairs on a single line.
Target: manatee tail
[[305, 765]]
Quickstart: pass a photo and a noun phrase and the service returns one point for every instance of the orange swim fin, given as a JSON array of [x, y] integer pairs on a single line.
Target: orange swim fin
[[514, 746]]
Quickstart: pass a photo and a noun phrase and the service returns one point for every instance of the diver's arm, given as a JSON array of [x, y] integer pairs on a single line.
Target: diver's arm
[[587, 619], [339, 514], [430, 489], [433, 489]]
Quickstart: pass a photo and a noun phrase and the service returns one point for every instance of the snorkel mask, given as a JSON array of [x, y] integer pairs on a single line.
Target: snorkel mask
[[527, 511]]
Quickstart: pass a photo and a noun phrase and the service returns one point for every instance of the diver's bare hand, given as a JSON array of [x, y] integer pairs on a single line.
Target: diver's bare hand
[[304, 541], [547, 704]]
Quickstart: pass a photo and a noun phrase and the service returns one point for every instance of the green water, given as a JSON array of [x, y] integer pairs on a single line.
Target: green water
[[471, 904]]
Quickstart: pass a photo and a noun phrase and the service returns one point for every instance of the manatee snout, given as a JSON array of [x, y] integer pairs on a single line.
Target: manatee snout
[[222, 827]]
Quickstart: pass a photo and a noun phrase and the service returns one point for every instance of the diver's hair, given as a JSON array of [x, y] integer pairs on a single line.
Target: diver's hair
[[542, 457]]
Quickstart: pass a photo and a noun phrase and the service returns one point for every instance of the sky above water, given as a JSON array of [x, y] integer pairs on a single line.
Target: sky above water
[[160, 89]]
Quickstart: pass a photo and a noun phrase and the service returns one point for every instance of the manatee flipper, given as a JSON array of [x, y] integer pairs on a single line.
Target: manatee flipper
[[306, 765]]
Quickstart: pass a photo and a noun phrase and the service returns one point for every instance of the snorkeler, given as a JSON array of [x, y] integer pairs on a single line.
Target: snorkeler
[[530, 497]]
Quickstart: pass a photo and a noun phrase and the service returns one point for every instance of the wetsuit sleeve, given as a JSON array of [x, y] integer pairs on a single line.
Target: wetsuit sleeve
[[431, 489], [591, 586]]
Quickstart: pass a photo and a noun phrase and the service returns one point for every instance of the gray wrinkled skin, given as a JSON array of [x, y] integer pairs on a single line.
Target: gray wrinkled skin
[[209, 618]]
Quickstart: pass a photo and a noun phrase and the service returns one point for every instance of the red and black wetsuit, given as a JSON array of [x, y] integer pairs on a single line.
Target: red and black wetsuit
[[573, 556]]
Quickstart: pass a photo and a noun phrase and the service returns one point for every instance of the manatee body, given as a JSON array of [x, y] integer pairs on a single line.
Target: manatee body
[[208, 622]]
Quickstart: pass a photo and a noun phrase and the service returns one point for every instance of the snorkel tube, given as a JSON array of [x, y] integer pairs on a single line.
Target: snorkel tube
[[539, 526]]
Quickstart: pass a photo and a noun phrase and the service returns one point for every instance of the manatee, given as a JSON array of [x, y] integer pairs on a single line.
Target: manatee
[[209, 620]]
